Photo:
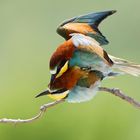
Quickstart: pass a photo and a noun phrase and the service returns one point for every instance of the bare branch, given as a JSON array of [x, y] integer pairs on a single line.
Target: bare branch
[[121, 95], [44, 107]]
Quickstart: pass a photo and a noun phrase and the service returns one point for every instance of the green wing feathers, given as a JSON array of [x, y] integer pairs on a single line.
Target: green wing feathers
[[89, 26]]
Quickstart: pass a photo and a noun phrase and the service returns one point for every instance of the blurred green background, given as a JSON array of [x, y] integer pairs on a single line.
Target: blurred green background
[[27, 40]]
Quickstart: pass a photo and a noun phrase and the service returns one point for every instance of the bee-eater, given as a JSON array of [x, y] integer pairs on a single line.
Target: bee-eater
[[80, 63], [75, 85]]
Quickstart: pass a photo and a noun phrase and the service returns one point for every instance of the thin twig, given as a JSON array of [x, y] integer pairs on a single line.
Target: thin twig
[[121, 95], [44, 107]]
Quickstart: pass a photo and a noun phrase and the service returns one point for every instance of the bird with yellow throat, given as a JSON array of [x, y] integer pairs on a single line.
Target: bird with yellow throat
[[80, 63]]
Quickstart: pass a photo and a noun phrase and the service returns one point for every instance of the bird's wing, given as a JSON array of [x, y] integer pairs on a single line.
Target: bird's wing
[[85, 24], [89, 46]]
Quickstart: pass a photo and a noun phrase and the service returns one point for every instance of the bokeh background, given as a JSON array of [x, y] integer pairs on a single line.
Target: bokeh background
[[27, 40]]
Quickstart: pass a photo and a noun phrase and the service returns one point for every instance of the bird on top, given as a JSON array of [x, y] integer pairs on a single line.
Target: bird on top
[[80, 63]]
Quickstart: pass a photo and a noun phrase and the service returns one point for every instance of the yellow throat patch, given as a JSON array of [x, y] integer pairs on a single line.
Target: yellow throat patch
[[59, 95]]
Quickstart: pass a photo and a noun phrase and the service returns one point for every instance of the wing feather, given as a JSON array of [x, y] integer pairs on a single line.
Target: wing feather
[[85, 24], [89, 44]]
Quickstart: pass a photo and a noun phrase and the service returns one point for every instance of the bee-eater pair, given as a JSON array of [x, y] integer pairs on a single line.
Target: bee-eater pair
[[79, 64]]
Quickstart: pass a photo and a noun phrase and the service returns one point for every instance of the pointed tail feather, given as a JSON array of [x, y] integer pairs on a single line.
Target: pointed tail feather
[[126, 66]]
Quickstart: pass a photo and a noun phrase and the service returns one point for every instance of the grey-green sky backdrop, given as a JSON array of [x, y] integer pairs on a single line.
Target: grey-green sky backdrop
[[27, 40]]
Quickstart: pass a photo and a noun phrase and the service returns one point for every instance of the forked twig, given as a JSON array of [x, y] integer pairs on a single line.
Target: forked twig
[[44, 107]]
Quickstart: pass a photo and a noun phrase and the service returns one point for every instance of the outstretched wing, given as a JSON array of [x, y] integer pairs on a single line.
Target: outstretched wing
[[85, 24]]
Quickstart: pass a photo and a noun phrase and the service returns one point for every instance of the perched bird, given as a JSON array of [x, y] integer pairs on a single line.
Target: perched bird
[[80, 63], [75, 85]]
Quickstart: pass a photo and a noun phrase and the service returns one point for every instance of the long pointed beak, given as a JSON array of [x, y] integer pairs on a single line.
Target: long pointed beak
[[43, 93]]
